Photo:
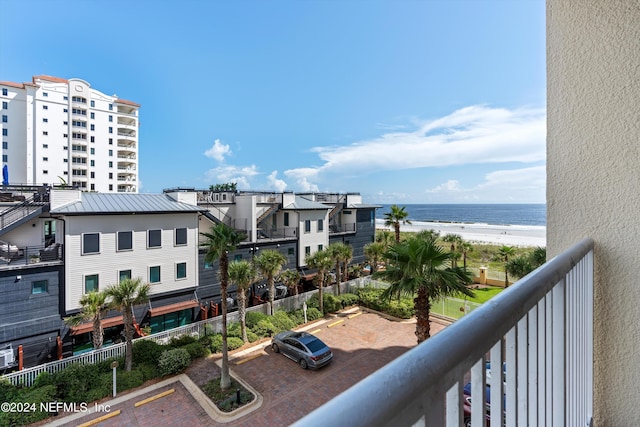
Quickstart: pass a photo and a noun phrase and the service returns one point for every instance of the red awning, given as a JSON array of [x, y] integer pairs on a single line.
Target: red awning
[[157, 311], [88, 327]]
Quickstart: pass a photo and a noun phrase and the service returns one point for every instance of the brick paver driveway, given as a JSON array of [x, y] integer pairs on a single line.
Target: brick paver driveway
[[360, 345]]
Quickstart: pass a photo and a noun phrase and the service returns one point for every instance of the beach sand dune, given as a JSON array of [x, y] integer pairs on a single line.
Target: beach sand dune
[[510, 235]]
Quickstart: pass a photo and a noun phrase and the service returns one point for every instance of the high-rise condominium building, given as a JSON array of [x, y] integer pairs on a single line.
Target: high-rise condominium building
[[58, 131]]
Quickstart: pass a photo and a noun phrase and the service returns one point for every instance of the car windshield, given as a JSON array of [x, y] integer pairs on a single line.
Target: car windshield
[[315, 345]]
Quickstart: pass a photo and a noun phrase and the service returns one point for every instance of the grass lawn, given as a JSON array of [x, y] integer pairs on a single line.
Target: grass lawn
[[485, 294]]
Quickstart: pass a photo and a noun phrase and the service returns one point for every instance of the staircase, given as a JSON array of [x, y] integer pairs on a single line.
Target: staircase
[[270, 211], [26, 210]]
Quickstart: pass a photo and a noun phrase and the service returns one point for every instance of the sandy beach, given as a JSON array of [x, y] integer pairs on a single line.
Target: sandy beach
[[511, 235]]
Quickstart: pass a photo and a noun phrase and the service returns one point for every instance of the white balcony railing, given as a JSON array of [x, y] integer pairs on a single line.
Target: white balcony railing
[[540, 331]]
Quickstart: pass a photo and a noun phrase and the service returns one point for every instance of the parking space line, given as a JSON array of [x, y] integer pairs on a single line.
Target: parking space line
[[255, 356], [335, 323], [351, 316], [100, 419], [152, 398], [315, 331]]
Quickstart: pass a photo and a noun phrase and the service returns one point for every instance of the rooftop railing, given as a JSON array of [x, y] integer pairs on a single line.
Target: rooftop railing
[[537, 336]]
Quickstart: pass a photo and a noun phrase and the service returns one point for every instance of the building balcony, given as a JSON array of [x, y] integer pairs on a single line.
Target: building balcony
[[127, 121], [537, 335], [126, 157], [125, 109], [124, 151], [126, 143], [126, 188], [12, 256], [126, 169], [342, 228]]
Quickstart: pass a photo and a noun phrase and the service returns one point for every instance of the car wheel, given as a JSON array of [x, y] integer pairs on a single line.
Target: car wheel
[[467, 422], [303, 364], [275, 348]]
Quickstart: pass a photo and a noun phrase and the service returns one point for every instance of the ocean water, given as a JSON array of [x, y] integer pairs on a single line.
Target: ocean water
[[494, 214]]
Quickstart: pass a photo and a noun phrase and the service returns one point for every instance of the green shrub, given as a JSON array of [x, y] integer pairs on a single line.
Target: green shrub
[[209, 329], [196, 350], [297, 316], [264, 328], [233, 330], [348, 299], [32, 397], [181, 341], [216, 343], [147, 352], [313, 314], [126, 380], [148, 371], [330, 303], [281, 321], [251, 336], [234, 342], [75, 382], [173, 361], [206, 341], [253, 317]]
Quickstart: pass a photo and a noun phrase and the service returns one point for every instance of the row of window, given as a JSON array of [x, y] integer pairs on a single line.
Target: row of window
[[307, 225], [154, 276], [124, 240]]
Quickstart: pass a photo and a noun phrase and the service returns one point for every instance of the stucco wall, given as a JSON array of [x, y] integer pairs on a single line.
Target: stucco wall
[[593, 178]]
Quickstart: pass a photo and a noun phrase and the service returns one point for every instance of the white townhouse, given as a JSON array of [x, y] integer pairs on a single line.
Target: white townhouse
[[108, 237], [59, 131]]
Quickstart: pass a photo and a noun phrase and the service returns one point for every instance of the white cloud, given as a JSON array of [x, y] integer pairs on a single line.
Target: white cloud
[[218, 151], [228, 173], [471, 135], [275, 183], [302, 176], [449, 186]]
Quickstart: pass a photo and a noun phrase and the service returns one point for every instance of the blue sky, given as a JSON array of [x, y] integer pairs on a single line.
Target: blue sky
[[402, 101]]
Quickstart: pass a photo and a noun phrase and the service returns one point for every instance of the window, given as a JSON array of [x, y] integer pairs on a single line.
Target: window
[[45, 94], [208, 265], [110, 164], [93, 104], [5, 158], [123, 275], [91, 283], [154, 238], [78, 99], [90, 243], [5, 118], [66, 98], [5, 145], [110, 187], [110, 141], [92, 127], [110, 118], [45, 172], [125, 240], [64, 110], [110, 129], [154, 274], [307, 250], [45, 145], [5, 105], [93, 175], [110, 175], [93, 151], [65, 161], [65, 123], [45, 159], [39, 287], [110, 106], [93, 138], [307, 226], [45, 120], [5, 92], [92, 163], [181, 270], [92, 115], [45, 107], [5, 132], [286, 219], [181, 236], [65, 135], [45, 133], [320, 225], [290, 251], [110, 153], [93, 186], [319, 247], [237, 257]]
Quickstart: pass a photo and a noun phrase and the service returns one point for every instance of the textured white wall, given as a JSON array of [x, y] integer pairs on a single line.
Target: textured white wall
[[593, 178]]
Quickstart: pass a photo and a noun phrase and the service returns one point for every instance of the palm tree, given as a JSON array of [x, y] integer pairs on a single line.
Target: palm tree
[[385, 237], [519, 266], [243, 274], [465, 248], [456, 242], [346, 255], [428, 235], [373, 252], [221, 240], [291, 278], [323, 262], [124, 296], [269, 263], [341, 254], [395, 217], [93, 307], [421, 268], [505, 252], [538, 256]]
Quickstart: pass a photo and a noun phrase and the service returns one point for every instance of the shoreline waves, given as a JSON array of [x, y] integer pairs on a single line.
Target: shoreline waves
[[510, 235]]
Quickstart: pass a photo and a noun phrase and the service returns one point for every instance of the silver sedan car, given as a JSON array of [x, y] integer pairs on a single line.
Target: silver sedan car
[[305, 349]]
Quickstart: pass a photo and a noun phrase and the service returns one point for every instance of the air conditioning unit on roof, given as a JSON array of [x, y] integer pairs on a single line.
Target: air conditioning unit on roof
[[6, 358]]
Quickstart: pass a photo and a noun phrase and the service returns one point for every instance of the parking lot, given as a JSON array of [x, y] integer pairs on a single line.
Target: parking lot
[[361, 344]]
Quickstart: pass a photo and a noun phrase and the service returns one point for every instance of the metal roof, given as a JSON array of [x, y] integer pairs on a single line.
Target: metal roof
[[116, 203], [304, 204], [362, 206]]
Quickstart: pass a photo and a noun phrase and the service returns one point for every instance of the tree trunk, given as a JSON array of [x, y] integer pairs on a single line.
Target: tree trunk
[[225, 378], [128, 336], [396, 227], [272, 292], [338, 278], [98, 333], [320, 283], [242, 311], [422, 307]]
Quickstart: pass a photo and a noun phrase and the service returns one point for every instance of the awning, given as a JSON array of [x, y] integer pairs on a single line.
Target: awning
[[157, 311], [88, 327]]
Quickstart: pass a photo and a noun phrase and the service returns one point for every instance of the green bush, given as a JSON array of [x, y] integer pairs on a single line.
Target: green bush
[[76, 382], [252, 336], [281, 321], [126, 380], [234, 342], [206, 341], [297, 316], [32, 397], [147, 352], [216, 343], [173, 361], [330, 303], [264, 328], [372, 298], [253, 317], [348, 299], [233, 330], [196, 350], [148, 371], [313, 314], [181, 341]]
